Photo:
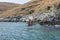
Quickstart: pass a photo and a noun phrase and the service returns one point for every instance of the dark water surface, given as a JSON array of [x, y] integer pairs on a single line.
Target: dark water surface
[[20, 31]]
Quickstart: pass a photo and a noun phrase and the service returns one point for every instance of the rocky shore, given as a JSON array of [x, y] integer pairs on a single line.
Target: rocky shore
[[50, 16]]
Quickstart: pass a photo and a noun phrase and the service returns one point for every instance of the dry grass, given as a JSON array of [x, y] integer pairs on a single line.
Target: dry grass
[[35, 5], [6, 6]]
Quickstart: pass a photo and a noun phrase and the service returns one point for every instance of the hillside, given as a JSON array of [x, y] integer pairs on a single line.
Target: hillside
[[36, 5], [4, 6]]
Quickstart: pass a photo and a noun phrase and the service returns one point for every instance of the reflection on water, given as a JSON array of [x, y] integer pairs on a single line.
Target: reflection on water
[[20, 31]]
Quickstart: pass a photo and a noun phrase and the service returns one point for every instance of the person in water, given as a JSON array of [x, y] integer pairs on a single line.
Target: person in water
[[30, 23]]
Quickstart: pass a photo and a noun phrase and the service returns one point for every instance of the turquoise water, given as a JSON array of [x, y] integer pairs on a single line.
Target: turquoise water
[[20, 31]]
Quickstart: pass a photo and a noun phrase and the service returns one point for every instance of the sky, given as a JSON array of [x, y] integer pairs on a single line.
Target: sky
[[15, 1]]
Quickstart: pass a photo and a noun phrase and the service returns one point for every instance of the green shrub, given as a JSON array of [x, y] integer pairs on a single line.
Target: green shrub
[[31, 11], [57, 6], [49, 7]]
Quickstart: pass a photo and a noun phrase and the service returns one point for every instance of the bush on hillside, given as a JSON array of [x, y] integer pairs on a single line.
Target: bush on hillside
[[31, 11], [49, 7], [57, 6]]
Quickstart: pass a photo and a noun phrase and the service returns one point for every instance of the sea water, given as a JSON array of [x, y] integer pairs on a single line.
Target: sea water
[[20, 31]]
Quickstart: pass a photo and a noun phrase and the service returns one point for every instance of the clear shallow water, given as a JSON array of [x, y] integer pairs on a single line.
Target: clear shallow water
[[20, 31]]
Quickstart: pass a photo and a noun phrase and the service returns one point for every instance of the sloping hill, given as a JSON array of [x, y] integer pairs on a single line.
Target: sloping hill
[[4, 6], [36, 5]]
